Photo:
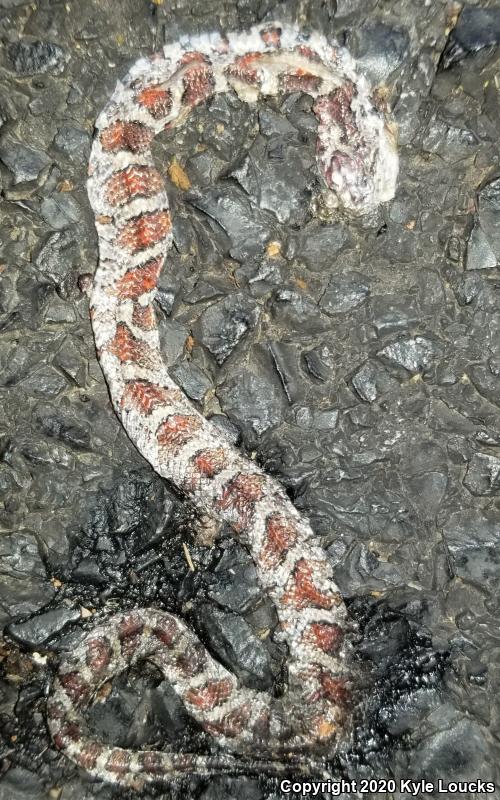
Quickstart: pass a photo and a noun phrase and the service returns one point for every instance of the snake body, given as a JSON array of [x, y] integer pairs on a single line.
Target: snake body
[[358, 166]]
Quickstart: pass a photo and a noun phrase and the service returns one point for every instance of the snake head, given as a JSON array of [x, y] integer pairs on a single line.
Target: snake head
[[356, 150]]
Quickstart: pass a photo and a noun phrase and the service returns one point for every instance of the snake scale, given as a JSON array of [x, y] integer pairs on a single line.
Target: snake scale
[[358, 165]]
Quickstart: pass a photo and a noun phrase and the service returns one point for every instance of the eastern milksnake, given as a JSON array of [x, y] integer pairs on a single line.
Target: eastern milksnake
[[358, 166]]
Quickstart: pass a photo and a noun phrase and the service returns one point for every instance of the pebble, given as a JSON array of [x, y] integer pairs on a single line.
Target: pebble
[[483, 248], [459, 744], [235, 585], [471, 538], [224, 324], [296, 311], [242, 788], [192, 379], [60, 425], [25, 162], [379, 48], [39, 629], [344, 292], [320, 362], [248, 229], [252, 401], [31, 58], [318, 247], [414, 354], [287, 363], [476, 28], [273, 175], [44, 382], [57, 254], [19, 783], [483, 475], [23, 588], [390, 313], [372, 380], [73, 142], [60, 210], [238, 647]]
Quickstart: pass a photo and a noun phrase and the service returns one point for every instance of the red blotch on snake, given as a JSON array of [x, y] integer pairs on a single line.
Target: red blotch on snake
[[144, 231], [210, 695], [177, 430], [281, 534], [210, 462], [301, 591], [139, 280], [198, 80], [145, 396], [240, 495], [326, 636], [134, 181], [246, 68], [271, 36], [156, 99], [127, 348], [132, 136], [98, 655]]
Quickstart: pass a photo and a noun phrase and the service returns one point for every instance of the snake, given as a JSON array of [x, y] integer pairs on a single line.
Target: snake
[[357, 162]]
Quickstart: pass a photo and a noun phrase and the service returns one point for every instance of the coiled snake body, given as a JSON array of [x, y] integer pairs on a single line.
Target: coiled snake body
[[358, 166]]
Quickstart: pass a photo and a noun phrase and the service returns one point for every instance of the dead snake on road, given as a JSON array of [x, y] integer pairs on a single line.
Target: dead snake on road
[[358, 165]]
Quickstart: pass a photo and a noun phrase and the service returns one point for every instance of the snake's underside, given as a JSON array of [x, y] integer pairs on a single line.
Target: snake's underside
[[358, 166]]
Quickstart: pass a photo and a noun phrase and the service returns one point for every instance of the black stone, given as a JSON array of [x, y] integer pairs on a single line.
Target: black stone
[[25, 162], [62, 426], [56, 255], [39, 629], [24, 587], [483, 247], [274, 174], [239, 649], [74, 142], [483, 475], [286, 360], [223, 324], [60, 210], [203, 290], [472, 540], [344, 292], [379, 49], [415, 354], [247, 228], [30, 58], [392, 313], [372, 380], [19, 783], [476, 28], [316, 419], [191, 379], [318, 247], [458, 747], [88, 571], [226, 428], [242, 788], [298, 312], [252, 401], [320, 362], [235, 584], [44, 382]]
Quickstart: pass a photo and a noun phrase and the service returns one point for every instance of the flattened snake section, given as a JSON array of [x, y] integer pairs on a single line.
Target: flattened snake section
[[358, 166]]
